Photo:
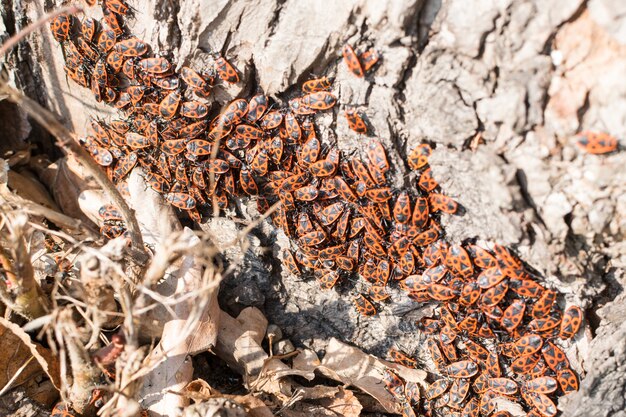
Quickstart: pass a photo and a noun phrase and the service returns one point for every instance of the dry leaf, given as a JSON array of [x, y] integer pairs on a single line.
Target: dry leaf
[[66, 179], [16, 349], [352, 366], [238, 336], [327, 401], [200, 390], [337, 400], [193, 329], [255, 406], [26, 186]]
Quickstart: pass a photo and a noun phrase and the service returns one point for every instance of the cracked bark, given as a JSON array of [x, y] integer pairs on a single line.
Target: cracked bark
[[525, 74]]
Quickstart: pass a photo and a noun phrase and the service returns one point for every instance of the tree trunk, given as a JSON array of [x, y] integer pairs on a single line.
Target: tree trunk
[[500, 88]]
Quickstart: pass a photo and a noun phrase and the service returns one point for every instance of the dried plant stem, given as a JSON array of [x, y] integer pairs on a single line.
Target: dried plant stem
[[20, 291]]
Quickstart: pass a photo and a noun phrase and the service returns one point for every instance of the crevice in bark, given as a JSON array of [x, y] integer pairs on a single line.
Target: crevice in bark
[[164, 13], [547, 46], [273, 23]]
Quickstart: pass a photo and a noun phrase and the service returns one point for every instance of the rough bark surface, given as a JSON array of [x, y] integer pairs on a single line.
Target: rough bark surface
[[525, 75]]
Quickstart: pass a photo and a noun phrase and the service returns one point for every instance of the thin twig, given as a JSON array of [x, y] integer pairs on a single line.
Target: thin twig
[[15, 376]]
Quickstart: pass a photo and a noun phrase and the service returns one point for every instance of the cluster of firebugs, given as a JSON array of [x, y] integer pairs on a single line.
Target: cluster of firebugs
[[497, 331]]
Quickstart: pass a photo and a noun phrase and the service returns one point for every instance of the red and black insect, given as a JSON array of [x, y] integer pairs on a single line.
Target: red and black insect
[[597, 143], [352, 61], [572, 319], [60, 27], [364, 306], [225, 70], [317, 84], [462, 369]]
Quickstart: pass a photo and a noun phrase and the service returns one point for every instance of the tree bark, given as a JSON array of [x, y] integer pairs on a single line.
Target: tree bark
[[499, 87]]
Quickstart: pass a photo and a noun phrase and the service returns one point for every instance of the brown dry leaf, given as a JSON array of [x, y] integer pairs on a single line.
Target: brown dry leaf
[[338, 400], [194, 328], [16, 349], [66, 179], [28, 187], [200, 390], [328, 401], [240, 336], [239, 344], [352, 366], [255, 406]]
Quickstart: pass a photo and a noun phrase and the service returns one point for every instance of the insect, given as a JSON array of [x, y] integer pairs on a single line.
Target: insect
[[544, 304], [106, 41], [317, 84], [233, 112], [525, 364], [495, 294], [321, 100], [471, 409], [181, 200], [192, 78], [401, 357], [124, 166], [225, 70], [513, 315], [542, 385], [526, 345], [110, 19], [503, 386], [369, 58], [462, 369], [597, 143], [542, 403], [60, 27], [131, 47], [572, 319], [426, 181], [328, 278], [116, 6], [440, 202], [567, 380], [393, 383], [437, 388], [364, 306], [61, 409], [88, 29], [169, 105], [155, 65], [352, 61], [470, 294], [554, 357], [458, 392], [101, 155], [458, 261], [271, 120], [418, 158], [193, 110], [256, 108]]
